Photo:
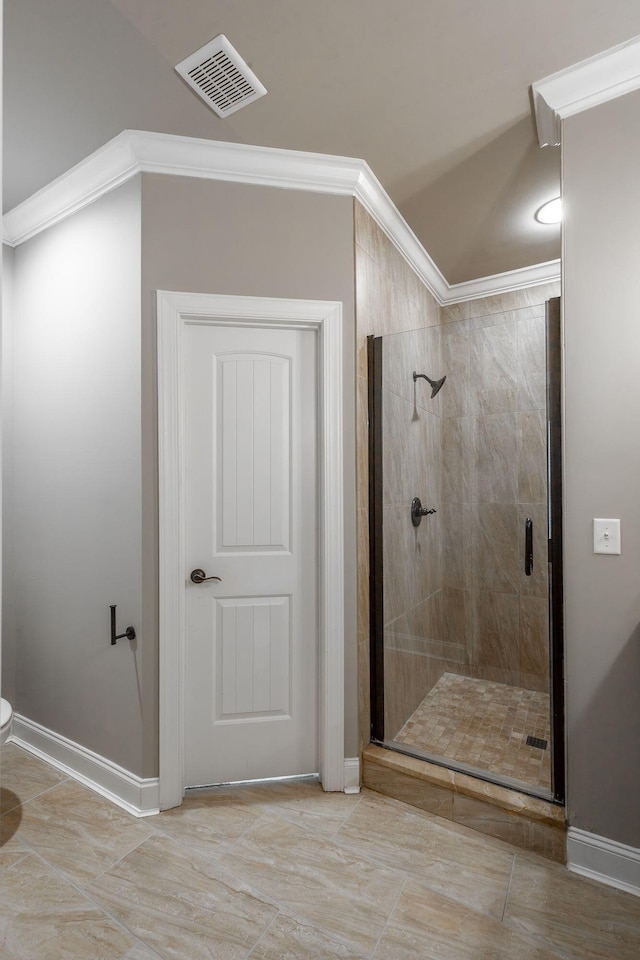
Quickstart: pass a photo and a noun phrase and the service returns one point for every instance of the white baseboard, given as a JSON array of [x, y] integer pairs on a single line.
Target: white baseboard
[[137, 796], [604, 860], [352, 775]]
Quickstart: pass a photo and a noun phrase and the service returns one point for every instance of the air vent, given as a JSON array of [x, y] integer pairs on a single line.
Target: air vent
[[220, 76]]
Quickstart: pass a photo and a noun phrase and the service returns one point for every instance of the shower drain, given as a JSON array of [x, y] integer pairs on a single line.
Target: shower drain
[[537, 742]]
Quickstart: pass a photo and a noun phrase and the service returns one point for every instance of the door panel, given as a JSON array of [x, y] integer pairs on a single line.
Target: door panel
[[251, 494], [253, 452], [252, 659]]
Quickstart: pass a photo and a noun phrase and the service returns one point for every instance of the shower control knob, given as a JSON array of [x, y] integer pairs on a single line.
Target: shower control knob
[[418, 511]]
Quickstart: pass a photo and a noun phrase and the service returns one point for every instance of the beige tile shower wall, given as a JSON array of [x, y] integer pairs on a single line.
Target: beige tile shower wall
[[412, 466], [513, 300], [390, 299], [494, 477]]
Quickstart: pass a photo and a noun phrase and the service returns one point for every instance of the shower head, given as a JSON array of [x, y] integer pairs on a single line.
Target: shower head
[[434, 384]]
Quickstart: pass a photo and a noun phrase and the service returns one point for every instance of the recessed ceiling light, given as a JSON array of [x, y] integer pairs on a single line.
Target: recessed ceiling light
[[550, 212]]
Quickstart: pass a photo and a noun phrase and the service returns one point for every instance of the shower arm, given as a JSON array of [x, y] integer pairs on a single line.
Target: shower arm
[[435, 385]]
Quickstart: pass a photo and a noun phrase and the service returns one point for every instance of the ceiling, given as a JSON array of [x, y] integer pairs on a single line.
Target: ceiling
[[433, 95]]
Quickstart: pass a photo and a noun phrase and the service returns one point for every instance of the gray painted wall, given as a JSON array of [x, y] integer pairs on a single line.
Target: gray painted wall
[[208, 237], [77, 478], [84, 463], [8, 522], [602, 464]]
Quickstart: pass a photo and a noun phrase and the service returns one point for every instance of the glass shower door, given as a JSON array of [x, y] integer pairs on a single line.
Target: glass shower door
[[461, 652]]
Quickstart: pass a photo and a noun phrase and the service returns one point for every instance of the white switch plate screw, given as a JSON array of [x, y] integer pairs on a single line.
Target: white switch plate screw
[[606, 536]]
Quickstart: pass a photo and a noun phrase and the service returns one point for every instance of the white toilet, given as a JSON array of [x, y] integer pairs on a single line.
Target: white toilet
[[6, 720]]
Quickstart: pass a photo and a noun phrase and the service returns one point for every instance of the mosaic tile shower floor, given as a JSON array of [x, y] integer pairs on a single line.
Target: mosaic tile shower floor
[[484, 725]]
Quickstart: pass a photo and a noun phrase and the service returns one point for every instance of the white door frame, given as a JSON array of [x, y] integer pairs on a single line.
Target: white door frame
[[174, 311]]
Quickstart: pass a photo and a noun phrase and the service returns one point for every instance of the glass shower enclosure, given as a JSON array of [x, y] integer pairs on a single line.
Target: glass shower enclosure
[[465, 534]]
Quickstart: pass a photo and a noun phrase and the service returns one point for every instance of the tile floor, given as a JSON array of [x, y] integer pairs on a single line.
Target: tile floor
[[484, 725], [280, 871]]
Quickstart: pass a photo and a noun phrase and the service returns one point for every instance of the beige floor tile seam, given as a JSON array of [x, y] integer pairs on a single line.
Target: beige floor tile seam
[[31, 852], [252, 891], [289, 914], [262, 936], [226, 871], [57, 869], [27, 853], [281, 908], [391, 913], [23, 803], [543, 942], [34, 754], [119, 923], [265, 814], [208, 856], [204, 854], [86, 896], [115, 863], [536, 937], [508, 890], [285, 911], [405, 875], [282, 813], [370, 859], [139, 944]]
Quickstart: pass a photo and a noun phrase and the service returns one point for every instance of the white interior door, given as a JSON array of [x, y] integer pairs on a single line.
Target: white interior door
[[251, 520]]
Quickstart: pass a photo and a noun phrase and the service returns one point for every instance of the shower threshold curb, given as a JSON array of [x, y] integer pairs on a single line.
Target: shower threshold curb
[[529, 822]]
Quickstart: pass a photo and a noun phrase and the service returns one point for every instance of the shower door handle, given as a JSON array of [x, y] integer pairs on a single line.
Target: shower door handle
[[528, 546]]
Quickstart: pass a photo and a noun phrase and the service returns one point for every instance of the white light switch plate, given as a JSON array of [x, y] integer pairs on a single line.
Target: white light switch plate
[[606, 536]]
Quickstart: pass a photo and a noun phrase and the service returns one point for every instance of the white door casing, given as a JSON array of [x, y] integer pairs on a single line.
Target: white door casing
[[174, 311], [250, 488]]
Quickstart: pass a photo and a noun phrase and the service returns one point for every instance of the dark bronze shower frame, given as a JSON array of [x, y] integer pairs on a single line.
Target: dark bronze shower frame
[[556, 608], [556, 652], [376, 595]]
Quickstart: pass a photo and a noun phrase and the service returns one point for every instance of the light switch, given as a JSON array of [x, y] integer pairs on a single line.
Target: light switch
[[606, 536]]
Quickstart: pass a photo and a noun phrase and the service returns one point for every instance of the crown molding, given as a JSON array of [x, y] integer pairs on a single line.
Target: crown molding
[[584, 85], [378, 204], [96, 175], [135, 151], [503, 282]]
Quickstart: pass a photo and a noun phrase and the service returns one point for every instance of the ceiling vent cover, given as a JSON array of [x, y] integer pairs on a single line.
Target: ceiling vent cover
[[220, 76]]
